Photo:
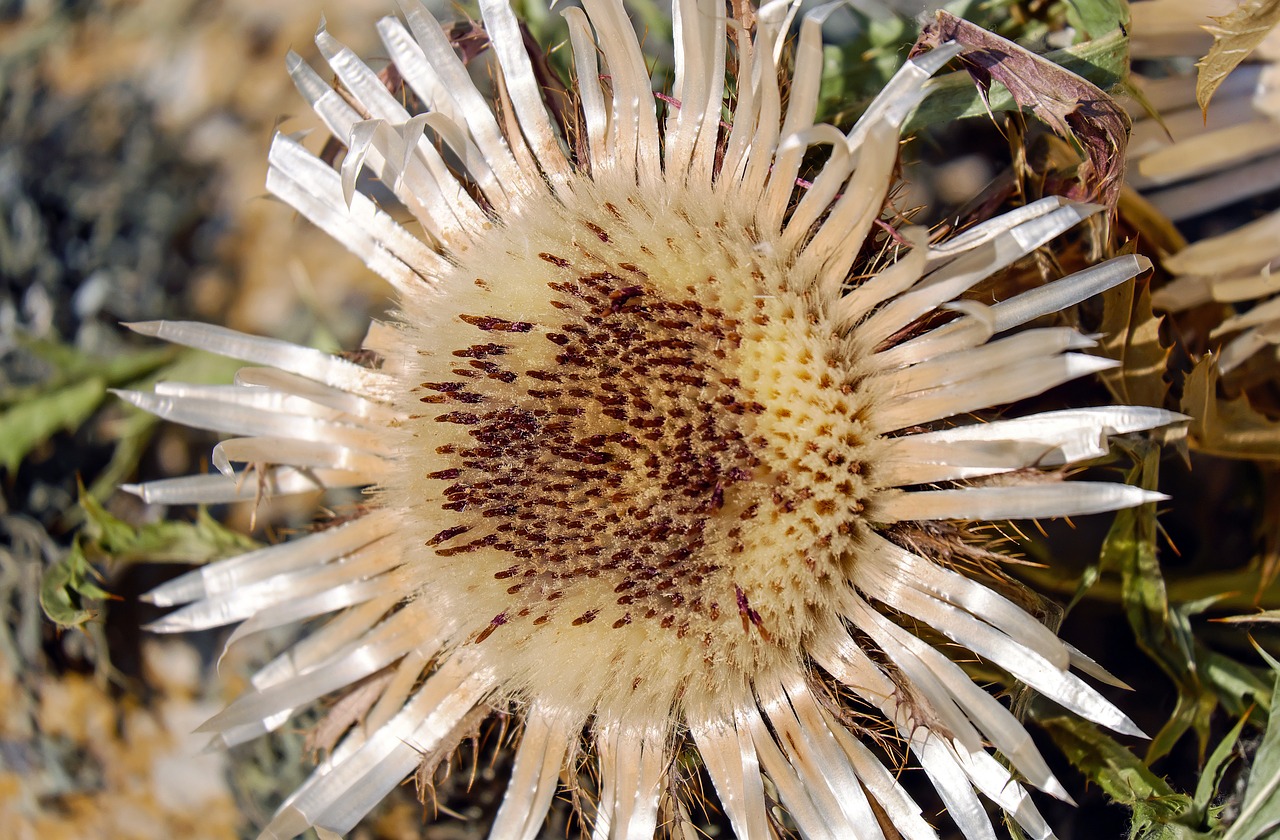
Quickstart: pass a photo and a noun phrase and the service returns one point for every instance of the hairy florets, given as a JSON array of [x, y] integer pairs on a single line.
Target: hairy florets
[[638, 447]]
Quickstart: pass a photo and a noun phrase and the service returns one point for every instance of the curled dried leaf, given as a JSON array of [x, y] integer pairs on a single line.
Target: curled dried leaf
[[1230, 428], [1131, 336], [1069, 104], [1235, 35]]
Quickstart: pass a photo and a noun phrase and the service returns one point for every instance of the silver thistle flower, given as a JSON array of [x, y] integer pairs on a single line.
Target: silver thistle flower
[[637, 436]]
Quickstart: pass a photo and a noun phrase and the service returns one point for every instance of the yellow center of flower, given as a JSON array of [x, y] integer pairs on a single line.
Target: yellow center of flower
[[636, 440]]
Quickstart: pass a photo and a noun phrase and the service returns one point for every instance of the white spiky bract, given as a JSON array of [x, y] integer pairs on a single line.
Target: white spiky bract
[[636, 439]]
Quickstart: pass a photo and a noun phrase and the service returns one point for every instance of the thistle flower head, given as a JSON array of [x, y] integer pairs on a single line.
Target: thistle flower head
[[638, 437]]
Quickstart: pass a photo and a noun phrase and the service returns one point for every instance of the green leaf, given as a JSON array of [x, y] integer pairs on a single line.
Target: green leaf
[[1235, 35], [69, 365], [1240, 689], [857, 69], [1260, 812], [1123, 776], [1214, 771], [1096, 18], [68, 397], [28, 424], [168, 541], [654, 18], [134, 430], [133, 434], [66, 587], [1165, 635]]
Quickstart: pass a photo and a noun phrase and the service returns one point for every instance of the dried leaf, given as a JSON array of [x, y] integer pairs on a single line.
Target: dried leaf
[[1235, 35], [1103, 61], [1131, 336], [1151, 227], [1069, 104], [1230, 428]]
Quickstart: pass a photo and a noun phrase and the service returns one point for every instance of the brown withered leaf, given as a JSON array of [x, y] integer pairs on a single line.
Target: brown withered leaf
[[1153, 230], [1131, 336], [1235, 35], [1230, 428], [1070, 105]]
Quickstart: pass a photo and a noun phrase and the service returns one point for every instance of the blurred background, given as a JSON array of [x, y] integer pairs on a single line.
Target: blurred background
[[133, 138]]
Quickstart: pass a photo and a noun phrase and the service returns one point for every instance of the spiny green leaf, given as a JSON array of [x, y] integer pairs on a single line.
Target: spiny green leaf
[[1120, 773], [1238, 687], [1123, 776], [134, 430], [76, 386], [66, 587], [101, 527], [1235, 35], [160, 542]]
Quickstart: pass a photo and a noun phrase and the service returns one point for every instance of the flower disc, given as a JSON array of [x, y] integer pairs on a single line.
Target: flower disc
[[637, 446]]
